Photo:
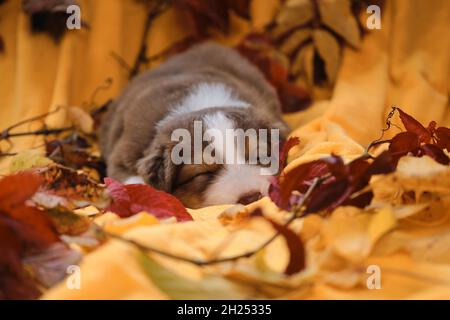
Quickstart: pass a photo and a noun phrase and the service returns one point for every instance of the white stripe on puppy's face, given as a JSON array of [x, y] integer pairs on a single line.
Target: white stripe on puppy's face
[[233, 182], [209, 95], [204, 96]]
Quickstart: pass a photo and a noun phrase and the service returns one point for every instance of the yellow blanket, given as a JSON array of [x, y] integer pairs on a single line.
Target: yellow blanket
[[406, 63]]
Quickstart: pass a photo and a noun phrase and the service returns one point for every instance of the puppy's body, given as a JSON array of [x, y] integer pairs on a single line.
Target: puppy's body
[[209, 83]]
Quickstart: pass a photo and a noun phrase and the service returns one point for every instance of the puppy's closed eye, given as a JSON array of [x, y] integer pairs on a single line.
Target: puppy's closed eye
[[190, 172]]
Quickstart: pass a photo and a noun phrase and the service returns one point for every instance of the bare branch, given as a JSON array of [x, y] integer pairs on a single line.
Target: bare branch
[[158, 7]]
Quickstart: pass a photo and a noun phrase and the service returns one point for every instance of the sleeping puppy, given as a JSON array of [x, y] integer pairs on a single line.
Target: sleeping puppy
[[205, 92]]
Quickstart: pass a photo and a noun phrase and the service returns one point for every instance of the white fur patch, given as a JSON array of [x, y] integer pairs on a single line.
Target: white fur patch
[[134, 180], [203, 96], [234, 182]]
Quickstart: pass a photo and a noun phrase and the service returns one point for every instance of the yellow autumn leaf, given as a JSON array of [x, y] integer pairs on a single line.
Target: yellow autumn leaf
[[352, 232], [120, 226], [380, 223]]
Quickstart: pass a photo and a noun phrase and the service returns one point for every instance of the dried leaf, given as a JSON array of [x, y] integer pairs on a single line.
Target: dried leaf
[[73, 154], [308, 63], [337, 15], [435, 153], [14, 283], [294, 41], [29, 222], [68, 223], [68, 188], [414, 126], [443, 138], [299, 62], [295, 11], [328, 49], [23, 230]]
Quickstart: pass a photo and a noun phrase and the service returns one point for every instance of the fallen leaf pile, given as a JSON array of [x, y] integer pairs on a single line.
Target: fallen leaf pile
[[333, 217]]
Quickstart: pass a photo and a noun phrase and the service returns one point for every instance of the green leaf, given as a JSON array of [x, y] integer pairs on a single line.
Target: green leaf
[[179, 288], [28, 159]]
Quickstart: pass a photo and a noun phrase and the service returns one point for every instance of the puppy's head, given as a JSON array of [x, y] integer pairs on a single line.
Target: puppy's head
[[214, 156]]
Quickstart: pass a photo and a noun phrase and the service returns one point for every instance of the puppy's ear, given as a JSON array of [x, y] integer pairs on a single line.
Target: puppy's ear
[[157, 167]]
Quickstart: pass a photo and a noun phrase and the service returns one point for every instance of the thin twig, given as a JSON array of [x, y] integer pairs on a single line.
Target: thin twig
[[40, 132], [297, 213], [8, 154], [5, 133]]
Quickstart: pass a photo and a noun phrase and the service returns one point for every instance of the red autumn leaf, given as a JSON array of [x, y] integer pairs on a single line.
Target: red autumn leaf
[[16, 189], [404, 143], [285, 148], [295, 246], [414, 126], [128, 200], [435, 152], [32, 224], [293, 241], [299, 179], [329, 196], [443, 138], [360, 201], [383, 164], [14, 282], [23, 230]]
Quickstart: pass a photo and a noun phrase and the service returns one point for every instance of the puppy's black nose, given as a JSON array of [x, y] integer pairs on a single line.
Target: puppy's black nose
[[250, 197]]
